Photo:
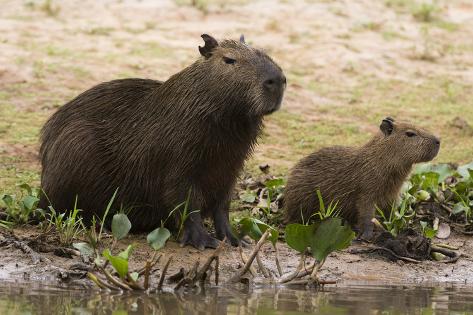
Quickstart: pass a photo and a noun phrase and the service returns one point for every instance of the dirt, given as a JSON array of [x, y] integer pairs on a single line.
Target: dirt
[[355, 264]]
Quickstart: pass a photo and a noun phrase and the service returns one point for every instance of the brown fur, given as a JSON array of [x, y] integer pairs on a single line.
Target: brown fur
[[359, 178], [156, 141]]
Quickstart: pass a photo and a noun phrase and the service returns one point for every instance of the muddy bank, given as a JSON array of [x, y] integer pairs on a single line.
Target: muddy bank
[[354, 264]]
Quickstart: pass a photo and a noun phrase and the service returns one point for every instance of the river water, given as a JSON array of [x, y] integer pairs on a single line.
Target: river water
[[348, 299]]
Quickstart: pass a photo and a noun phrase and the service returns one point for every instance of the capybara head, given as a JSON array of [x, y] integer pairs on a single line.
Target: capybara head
[[408, 143], [234, 70]]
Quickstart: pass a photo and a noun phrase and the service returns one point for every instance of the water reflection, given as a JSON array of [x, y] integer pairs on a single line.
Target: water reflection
[[34, 299]]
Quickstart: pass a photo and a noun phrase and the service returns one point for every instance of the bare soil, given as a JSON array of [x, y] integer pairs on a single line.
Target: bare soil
[[355, 264]]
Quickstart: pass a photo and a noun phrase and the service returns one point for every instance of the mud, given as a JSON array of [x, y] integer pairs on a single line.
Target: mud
[[355, 264]]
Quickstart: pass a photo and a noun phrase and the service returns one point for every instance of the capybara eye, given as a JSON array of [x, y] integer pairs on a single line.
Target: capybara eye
[[229, 61], [410, 134]]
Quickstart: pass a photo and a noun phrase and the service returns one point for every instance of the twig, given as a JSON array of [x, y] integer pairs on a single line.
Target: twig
[[132, 283], [200, 274], [100, 283], [163, 274], [154, 260], [375, 248], [264, 271], [240, 273], [217, 263], [278, 265], [446, 246], [290, 276], [115, 281], [147, 270], [453, 255], [245, 259], [316, 269]]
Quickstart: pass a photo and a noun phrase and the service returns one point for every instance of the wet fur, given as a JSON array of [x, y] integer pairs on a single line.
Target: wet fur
[[358, 178], [157, 141]]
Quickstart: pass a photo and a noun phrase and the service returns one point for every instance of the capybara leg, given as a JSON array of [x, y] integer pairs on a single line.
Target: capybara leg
[[366, 227], [222, 226], [195, 233]]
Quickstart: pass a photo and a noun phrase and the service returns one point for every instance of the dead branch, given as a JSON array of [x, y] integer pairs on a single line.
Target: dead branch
[[205, 267], [290, 276], [263, 269], [244, 258], [240, 273], [449, 253], [114, 280], [278, 265], [163, 274]]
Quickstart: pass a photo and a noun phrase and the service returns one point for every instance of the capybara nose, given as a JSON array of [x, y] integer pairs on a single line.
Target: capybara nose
[[437, 141], [275, 82]]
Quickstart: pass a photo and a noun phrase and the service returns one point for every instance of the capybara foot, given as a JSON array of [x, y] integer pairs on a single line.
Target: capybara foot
[[366, 232], [198, 238], [223, 230]]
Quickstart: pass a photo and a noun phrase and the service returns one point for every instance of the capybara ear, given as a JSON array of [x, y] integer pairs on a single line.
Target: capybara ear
[[242, 39], [387, 126], [210, 44]]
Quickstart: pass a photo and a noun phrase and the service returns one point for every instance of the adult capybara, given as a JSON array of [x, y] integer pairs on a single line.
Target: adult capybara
[[359, 179], [157, 141]]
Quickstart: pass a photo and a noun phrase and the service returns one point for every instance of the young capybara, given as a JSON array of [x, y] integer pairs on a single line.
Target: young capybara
[[159, 143], [359, 179]]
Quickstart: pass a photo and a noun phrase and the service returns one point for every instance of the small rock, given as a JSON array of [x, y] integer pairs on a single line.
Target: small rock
[[264, 168]]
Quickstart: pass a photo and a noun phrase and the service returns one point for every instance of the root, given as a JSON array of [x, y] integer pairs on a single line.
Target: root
[[449, 253]]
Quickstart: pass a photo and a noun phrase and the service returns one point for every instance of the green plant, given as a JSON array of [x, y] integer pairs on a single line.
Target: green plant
[[255, 228], [49, 8], [68, 225], [399, 217], [94, 238], [20, 209], [273, 188], [425, 12], [428, 231]]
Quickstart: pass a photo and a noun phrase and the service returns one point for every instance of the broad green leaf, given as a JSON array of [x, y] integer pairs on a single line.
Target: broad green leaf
[[121, 225], [274, 183], [459, 208], [8, 200], [430, 232], [126, 253], [299, 236], [255, 228], [158, 237], [430, 181], [27, 188], [120, 264], [30, 202], [466, 171], [331, 235], [248, 196], [443, 170], [84, 248]]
